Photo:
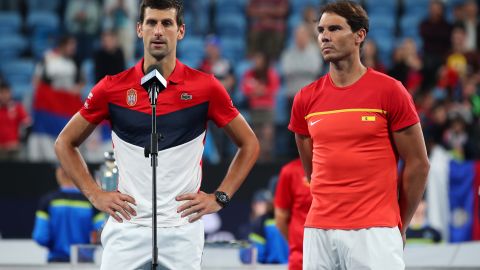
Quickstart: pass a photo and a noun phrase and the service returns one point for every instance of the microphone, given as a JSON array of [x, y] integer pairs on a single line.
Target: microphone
[[153, 82]]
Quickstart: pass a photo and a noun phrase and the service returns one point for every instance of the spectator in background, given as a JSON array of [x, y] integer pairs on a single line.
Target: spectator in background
[[301, 65], [265, 236], [64, 218], [370, 56], [461, 60], [472, 25], [267, 26], [258, 207], [436, 124], [215, 64], [82, 19], [310, 19], [419, 231], [407, 65], [435, 32], [260, 85], [120, 17], [292, 202], [58, 84], [456, 136], [109, 58], [14, 122]]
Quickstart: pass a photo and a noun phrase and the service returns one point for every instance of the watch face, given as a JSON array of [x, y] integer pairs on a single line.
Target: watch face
[[222, 197]]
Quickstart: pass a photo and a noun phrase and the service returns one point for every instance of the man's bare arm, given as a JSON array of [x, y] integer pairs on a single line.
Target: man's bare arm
[[282, 218], [305, 150], [248, 148], [66, 148], [411, 148]]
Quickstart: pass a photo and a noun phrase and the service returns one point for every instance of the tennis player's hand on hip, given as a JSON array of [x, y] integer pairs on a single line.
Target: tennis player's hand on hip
[[197, 204], [114, 203]]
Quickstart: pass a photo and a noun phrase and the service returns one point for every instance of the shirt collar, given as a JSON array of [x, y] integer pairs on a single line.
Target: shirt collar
[[177, 76]]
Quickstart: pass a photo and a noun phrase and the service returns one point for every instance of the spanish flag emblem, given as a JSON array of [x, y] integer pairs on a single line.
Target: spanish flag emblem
[[368, 118]]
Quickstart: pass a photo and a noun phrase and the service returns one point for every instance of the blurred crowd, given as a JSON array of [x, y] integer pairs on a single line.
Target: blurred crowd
[[263, 52]]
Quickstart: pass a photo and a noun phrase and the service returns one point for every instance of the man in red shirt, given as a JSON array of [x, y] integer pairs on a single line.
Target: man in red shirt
[[13, 118], [292, 201], [351, 126]]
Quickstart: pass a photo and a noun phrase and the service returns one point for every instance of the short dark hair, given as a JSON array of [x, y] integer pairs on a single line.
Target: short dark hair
[[355, 15], [4, 86], [162, 4]]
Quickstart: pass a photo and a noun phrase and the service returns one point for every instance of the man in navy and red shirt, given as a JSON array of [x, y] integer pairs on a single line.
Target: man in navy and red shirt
[[183, 109]]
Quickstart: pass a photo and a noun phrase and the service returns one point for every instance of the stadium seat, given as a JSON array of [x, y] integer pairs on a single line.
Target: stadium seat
[[18, 70], [231, 26], [417, 8], [50, 5], [42, 40], [240, 68], [227, 7], [294, 20], [297, 6], [44, 20], [381, 7], [385, 45], [233, 48], [409, 25], [196, 24], [19, 73], [10, 22], [88, 69], [12, 46], [383, 22], [191, 50]]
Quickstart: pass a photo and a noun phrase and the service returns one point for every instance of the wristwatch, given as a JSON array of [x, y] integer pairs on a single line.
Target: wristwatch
[[222, 198]]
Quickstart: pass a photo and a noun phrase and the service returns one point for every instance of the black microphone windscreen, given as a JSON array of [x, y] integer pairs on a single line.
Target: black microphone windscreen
[[154, 67], [153, 76]]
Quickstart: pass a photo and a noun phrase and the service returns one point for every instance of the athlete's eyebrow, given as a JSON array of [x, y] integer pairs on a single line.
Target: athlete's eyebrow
[[332, 27]]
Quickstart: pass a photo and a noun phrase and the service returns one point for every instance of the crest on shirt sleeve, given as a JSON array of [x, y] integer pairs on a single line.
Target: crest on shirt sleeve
[[131, 97]]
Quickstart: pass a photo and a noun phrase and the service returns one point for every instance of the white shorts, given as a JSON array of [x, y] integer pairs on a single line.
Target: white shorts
[[129, 246], [373, 248]]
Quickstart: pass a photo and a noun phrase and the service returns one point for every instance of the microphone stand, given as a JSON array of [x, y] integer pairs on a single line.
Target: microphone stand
[[153, 152]]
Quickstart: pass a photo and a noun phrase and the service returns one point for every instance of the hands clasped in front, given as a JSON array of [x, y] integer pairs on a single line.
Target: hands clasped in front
[[197, 205], [115, 204]]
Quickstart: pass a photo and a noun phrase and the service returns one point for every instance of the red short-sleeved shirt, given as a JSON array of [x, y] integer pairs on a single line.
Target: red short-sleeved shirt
[[293, 194], [11, 117], [354, 178]]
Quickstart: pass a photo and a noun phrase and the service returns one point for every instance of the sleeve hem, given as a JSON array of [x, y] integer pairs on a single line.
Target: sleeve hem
[[405, 124]]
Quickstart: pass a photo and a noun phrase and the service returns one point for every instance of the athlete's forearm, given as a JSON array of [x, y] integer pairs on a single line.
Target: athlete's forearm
[[282, 217], [411, 189], [305, 150], [66, 148], [240, 166], [76, 168]]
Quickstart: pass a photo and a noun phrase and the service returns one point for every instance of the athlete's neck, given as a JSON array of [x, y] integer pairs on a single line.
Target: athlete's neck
[[167, 64], [346, 72]]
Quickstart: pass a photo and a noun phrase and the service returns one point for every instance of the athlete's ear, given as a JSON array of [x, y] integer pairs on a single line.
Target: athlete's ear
[[360, 36], [181, 32], [139, 30]]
